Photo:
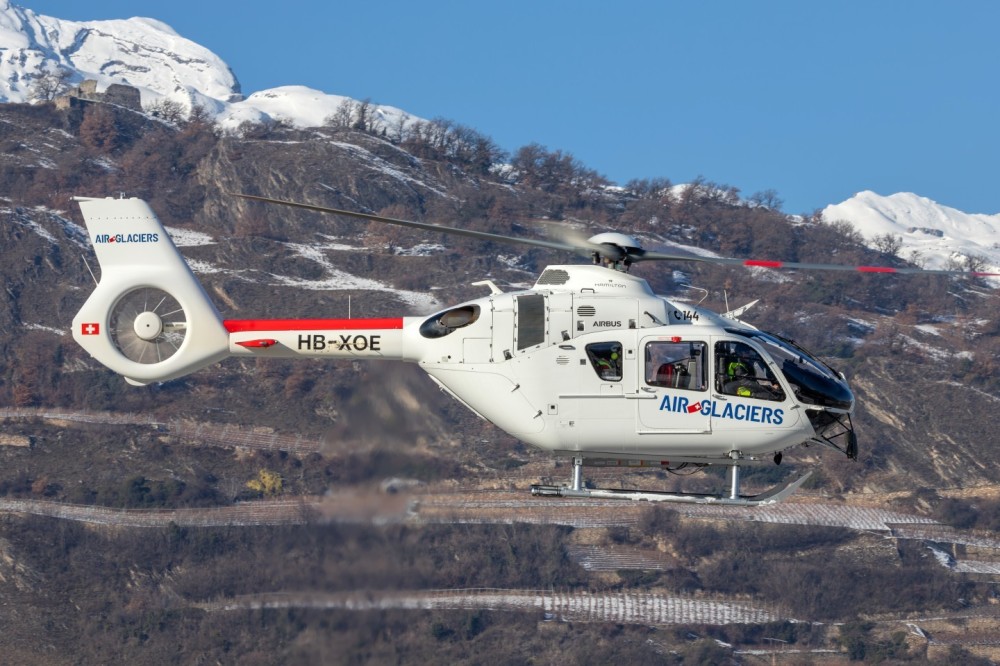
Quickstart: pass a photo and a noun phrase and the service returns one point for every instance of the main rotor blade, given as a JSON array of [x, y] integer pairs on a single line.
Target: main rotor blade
[[551, 245], [584, 248], [758, 263]]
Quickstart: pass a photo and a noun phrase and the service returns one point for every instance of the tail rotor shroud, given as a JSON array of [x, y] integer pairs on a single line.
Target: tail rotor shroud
[[148, 325]]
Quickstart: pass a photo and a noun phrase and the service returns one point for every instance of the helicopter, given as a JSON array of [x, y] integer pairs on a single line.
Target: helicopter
[[589, 363]]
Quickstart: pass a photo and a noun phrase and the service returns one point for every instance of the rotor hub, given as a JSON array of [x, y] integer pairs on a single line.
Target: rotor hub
[[148, 325]]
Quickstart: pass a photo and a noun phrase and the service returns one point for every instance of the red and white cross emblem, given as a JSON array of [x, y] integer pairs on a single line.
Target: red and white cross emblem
[[90, 329]]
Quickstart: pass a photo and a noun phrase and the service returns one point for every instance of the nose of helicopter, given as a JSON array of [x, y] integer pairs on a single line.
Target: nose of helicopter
[[819, 389]]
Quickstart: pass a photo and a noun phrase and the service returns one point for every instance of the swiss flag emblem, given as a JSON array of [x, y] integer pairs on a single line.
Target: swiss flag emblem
[[90, 329]]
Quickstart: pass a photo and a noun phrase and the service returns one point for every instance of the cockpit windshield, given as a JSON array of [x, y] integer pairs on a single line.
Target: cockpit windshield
[[813, 381]]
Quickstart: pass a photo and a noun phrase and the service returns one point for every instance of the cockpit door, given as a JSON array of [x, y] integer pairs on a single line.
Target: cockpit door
[[748, 399]]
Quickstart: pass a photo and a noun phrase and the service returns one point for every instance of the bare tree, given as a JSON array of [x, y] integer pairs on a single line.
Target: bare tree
[[767, 199], [974, 263], [362, 115], [168, 110], [397, 132], [916, 257], [343, 115], [888, 243], [50, 84]]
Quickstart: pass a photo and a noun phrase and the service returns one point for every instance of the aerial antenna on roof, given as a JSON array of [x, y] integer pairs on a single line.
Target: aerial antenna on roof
[[704, 293]]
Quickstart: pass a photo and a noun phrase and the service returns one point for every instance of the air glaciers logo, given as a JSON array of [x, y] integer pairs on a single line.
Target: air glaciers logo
[[753, 413], [126, 238]]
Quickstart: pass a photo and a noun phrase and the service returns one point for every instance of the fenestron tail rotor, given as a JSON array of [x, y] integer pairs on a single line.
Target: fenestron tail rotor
[[147, 325]]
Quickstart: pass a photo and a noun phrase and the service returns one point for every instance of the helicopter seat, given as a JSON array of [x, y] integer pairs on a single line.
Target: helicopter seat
[[666, 375]]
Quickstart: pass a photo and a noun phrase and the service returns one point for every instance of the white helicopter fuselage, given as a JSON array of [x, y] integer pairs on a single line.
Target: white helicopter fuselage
[[588, 363], [525, 361]]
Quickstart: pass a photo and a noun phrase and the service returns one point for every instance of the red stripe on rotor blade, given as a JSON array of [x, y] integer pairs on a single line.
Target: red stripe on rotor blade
[[253, 325], [763, 264], [876, 269]]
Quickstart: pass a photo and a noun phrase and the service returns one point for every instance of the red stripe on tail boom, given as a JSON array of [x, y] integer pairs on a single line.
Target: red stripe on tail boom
[[255, 325]]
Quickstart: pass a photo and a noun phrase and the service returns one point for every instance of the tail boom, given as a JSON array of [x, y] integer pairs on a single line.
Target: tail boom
[[150, 320], [328, 338]]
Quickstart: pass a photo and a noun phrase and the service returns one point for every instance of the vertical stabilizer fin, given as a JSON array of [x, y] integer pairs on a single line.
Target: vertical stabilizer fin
[[149, 319]]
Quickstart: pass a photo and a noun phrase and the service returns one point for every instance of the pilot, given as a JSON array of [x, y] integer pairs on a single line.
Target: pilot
[[760, 384], [736, 365], [609, 367], [738, 382]]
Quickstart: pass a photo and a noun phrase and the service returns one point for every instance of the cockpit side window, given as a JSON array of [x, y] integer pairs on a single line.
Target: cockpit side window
[[606, 359], [740, 371], [444, 323], [679, 365]]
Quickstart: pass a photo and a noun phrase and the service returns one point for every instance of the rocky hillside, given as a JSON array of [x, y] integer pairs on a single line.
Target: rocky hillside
[[266, 501], [898, 338]]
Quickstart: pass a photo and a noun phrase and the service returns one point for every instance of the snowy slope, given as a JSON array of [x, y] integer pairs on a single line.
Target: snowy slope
[[302, 107], [141, 52], [151, 56], [934, 232]]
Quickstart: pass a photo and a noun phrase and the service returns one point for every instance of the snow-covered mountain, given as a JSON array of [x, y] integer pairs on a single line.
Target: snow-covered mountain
[[149, 55], [930, 233], [141, 52]]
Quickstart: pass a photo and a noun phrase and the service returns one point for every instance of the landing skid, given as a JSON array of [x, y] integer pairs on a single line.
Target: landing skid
[[733, 498]]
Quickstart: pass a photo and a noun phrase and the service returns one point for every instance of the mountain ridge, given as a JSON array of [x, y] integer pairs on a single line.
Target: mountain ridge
[[928, 233], [152, 56]]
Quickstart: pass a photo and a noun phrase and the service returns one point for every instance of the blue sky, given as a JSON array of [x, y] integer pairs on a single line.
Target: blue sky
[[816, 100]]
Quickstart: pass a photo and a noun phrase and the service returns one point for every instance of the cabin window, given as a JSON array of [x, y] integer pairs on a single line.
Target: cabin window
[[606, 359], [530, 321], [678, 365], [443, 323], [740, 370]]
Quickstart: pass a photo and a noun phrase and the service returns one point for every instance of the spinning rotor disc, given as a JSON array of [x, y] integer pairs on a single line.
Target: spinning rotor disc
[[148, 325]]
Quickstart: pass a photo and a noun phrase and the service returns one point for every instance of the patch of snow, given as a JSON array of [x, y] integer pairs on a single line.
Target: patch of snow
[[930, 351], [47, 329], [339, 247], [205, 268], [382, 166], [943, 558], [21, 217], [513, 262], [334, 279], [421, 250], [189, 237], [337, 280], [861, 324]]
